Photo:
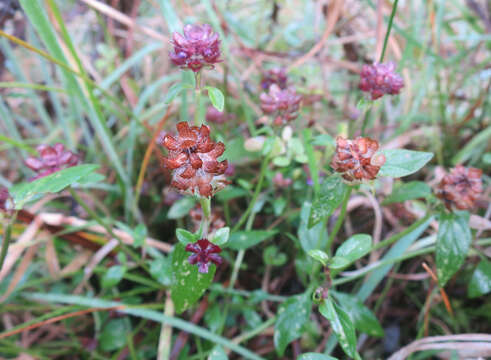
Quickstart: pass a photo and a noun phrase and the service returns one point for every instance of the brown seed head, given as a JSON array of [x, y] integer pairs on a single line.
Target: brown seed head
[[460, 188]]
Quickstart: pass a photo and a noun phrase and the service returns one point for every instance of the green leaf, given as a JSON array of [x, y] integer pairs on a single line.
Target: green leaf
[[181, 207], [452, 244], [113, 276], [319, 255], [241, 240], [216, 97], [175, 90], [22, 193], [161, 270], [332, 192], [338, 262], [408, 191], [292, 316], [481, 280], [271, 256], [185, 237], [221, 236], [355, 247], [341, 325], [361, 316], [314, 237], [218, 353], [139, 233], [315, 356], [401, 162], [188, 285], [113, 336]]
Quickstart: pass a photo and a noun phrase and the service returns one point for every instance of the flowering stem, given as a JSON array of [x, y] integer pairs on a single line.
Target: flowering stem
[[389, 27], [205, 220], [197, 98], [6, 239], [339, 220]]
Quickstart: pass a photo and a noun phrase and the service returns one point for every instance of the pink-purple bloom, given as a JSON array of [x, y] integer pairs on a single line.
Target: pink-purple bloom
[[51, 159], [204, 252], [199, 46], [282, 104], [276, 76], [380, 79]]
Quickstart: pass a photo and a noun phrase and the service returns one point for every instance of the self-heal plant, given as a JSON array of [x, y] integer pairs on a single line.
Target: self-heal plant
[[460, 188], [198, 47], [380, 79], [204, 252], [51, 159], [193, 160], [357, 159], [276, 76], [282, 104]]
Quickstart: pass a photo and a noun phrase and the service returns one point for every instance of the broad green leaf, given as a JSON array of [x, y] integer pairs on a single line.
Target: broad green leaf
[[181, 207], [161, 270], [315, 356], [91, 178], [452, 244], [481, 280], [185, 237], [355, 247], [113, 276], [332, 192], [314, 237], [292, 315], [22, 193], [361, 316], [241, 240], [113, 335], [188, 285], [341, 325], [338, 262], [272, 256], [175, 90], [401, 162], [221, 236], [218, 353], [408, 191], [319, 255], [216, 97]]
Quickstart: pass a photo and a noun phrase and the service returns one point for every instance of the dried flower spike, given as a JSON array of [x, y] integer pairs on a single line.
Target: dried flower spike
[[198, 47], [380, 79], [356, 159], [51, 159], [282, 104], [274, 76], [460, 188], [5, 200], [193, 160], [204, 253]]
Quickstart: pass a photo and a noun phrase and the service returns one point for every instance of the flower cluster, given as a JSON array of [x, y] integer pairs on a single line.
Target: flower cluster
[[380, 79], [281, 181], [51, 159], [276, 76], [356, 159], [460, 188], [204, 253], [283, 104], [198, 47], [5, 200], [217, 117], [193, 160]]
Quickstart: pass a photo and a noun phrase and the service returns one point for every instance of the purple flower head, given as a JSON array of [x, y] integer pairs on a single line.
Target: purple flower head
[[5, 199], [51, 159], [215, 116], [284, 104], [204, 252], [276, 76], [199, 46], [380, 79]]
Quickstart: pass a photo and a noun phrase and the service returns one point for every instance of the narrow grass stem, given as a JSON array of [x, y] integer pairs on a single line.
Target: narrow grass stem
[[205, 220], [389, 27], [6, 239]]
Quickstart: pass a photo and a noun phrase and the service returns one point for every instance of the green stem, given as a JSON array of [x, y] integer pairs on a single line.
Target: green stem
[[205, 220], [197, 98], [339, 220], [109, 230], [6, 239], [389, 27]]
